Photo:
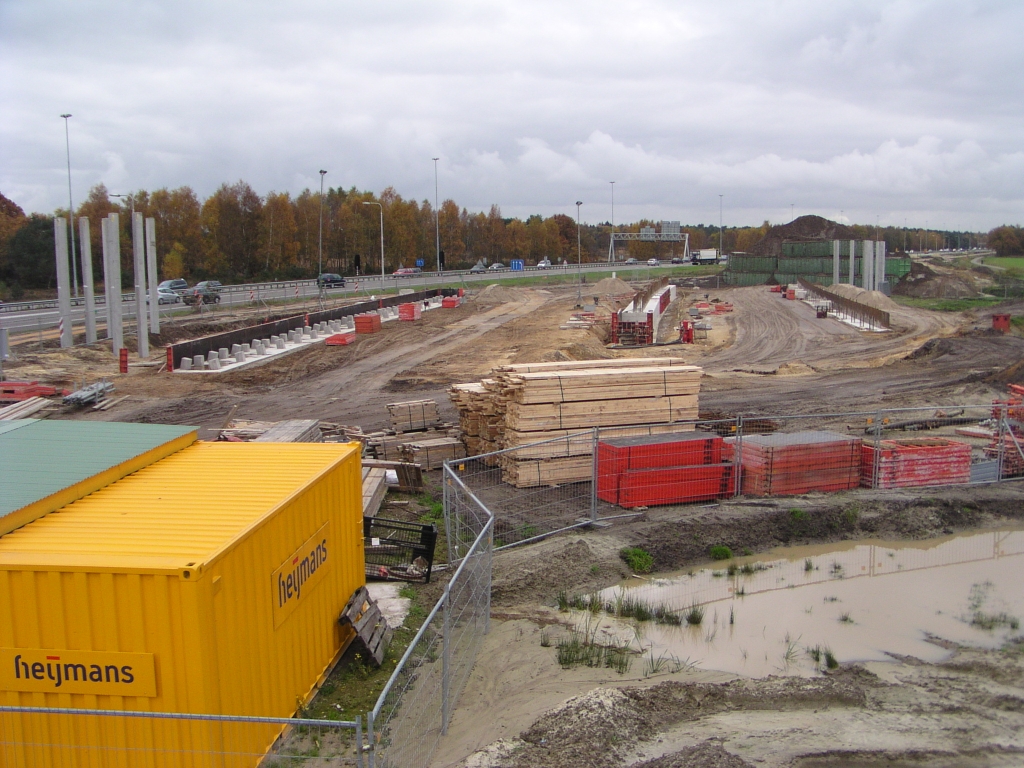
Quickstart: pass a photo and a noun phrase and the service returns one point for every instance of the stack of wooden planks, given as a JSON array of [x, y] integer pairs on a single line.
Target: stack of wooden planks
[[432, 454], [292, 431], [24, 409], [388, 446], [374, 489], [520, 405], [413, 415]]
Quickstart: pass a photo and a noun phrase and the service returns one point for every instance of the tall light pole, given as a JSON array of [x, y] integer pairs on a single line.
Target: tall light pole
[[792, 215], [721, 241], [370, 202], [321, 243], [71, 207], [611, 250], [437, 218], [579, 256]]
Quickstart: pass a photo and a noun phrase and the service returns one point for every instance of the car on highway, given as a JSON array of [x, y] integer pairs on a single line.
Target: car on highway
[[407, 271], [653, 263], [330, 280], [496, 266], [477, 268], [543, 263], [678, 260], [205, 292], [630, 261], [167, 296], [177, 284]]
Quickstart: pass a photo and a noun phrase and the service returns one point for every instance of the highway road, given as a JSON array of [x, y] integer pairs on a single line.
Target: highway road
[[36, 317]]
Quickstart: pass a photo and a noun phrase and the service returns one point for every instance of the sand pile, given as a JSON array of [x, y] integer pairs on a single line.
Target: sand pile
[[875, 299], [924, 282], [612, 286], [802, 229], [498, 294]]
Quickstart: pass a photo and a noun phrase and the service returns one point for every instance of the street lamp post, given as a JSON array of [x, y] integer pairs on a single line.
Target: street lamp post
[[721, 241], [366, 202], [611, 251], [71, 208], [320, 246], [437, 219], [579, 256]]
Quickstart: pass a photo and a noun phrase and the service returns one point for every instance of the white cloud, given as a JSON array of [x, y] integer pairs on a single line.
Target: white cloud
[[908, 107]]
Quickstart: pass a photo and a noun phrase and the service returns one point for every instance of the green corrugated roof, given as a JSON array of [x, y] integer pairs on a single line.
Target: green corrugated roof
[[39, 458]]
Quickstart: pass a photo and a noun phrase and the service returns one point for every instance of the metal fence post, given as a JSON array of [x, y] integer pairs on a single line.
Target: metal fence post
[[1001, 446], [737, 457], [359, 741], [593, 481], [876, 463], [446, 660], [370, 741]]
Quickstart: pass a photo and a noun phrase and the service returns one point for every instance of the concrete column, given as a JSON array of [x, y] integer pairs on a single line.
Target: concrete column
[[154, 304], [141, 316], [60, 241], [879, 263], [85, 244], [112, 279], [853, 262], [867, 268], [835, 262]]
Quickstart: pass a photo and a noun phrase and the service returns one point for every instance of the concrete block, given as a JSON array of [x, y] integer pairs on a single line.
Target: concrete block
[[239, 355], [222, 353], [212, 355], [306, 330], [199, 362], [246, 348], [215, 364], [235, 348], [280, 343], [314, 333], [186, 364], [266, 343]]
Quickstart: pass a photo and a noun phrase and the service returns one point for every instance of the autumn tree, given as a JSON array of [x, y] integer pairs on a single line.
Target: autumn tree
[[1007, 240]]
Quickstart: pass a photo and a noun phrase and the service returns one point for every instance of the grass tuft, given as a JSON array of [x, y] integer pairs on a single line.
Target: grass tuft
[[638, 559], [695, 615], [720, 552]]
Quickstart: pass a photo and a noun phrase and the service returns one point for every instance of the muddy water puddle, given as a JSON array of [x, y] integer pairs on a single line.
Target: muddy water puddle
[[858, 601]]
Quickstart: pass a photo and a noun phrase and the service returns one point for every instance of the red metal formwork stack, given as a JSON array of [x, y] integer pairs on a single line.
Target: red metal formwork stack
[[916, 462], [368, 322], [451, 302], [673, 468], [411, 311], [786, 464], [16, 391]]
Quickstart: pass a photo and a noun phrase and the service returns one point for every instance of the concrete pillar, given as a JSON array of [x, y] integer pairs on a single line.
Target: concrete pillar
[[154, 305], [222, 353], [85, 244], [835, 261], [215, 364], [112, 279], [853, 262], [60, 241], [239, 355], [186, 364], [280, 343], [198, 362], [867, 269], [879, 263], [141, 310]]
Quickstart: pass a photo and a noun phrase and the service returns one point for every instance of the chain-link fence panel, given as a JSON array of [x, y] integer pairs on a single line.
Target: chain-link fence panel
[[412, 713], [32, 737]]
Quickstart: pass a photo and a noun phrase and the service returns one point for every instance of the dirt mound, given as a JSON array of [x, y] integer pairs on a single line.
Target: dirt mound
[[805, 229], [496, 293], [708, 754], [1011, 374], [875, 299], [612, 286], [923, 282], [589, 348]]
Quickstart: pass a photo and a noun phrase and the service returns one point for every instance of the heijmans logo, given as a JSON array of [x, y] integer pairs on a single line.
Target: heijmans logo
[[64, 671], [298, 574]]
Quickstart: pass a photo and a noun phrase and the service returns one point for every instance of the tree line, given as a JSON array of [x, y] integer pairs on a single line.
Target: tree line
[[237, 235]]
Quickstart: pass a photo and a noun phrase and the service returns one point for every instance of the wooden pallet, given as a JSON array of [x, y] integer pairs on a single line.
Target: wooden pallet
[[431, 454], [413, 415], [373, 635]]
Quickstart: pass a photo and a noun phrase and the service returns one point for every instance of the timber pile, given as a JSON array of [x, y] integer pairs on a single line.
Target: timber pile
[[292, 431], [388, 445], [432, 454], [413, 415], [24, 409], [522, 405], [375, 488]]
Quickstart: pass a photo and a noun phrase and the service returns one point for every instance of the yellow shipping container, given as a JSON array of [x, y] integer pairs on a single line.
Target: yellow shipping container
[[208, 582]]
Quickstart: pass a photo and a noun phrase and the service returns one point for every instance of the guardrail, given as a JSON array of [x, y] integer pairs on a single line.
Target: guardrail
[[388, 280]]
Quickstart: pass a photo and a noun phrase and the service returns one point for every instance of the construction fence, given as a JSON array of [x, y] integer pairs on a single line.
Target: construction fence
[[543, 488], [415, 708]]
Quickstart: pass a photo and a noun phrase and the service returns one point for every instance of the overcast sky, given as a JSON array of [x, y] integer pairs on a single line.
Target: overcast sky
[[896, 110]]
